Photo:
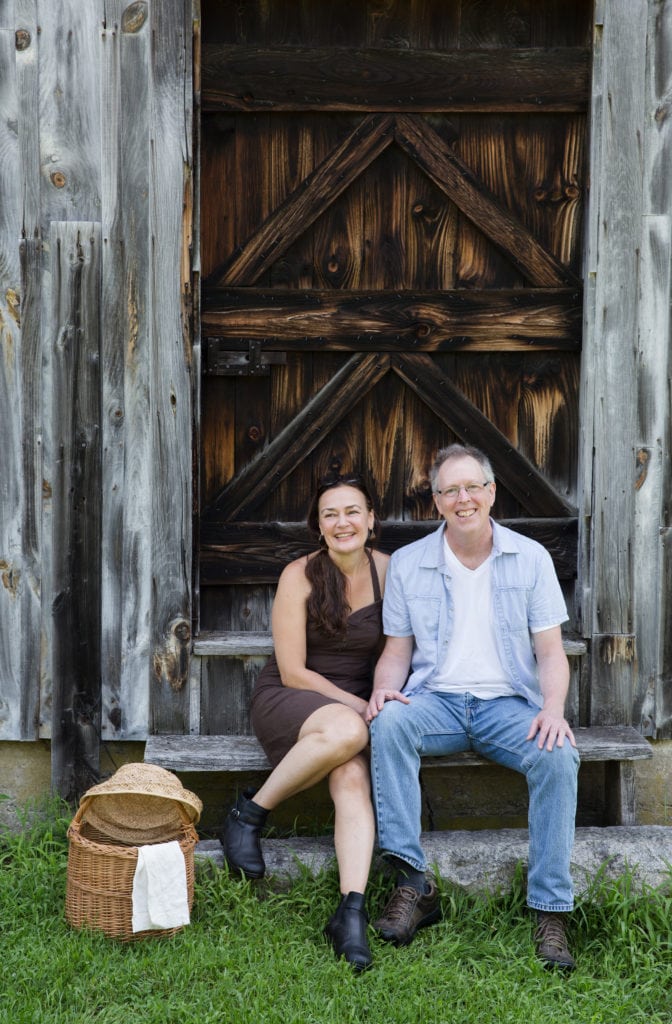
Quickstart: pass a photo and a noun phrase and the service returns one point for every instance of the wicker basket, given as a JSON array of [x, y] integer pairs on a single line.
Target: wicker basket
[[100, 881]]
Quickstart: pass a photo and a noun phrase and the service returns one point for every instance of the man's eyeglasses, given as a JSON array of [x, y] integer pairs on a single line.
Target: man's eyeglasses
[[471, 489]]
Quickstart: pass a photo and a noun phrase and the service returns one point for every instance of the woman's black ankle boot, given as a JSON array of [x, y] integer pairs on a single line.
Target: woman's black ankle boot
[[346, 931], [240, 836]]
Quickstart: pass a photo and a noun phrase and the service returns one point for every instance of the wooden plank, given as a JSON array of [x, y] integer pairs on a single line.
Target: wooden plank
[[303, 433], [27, 70], [34, 660], [19, 539], [465, 189], [653, 693], [127, 454], [313, 78], [512, 469], [76, 254], [170, 404], [257, 552], [211, 643], [69, 104], [307, 202], [35, 205], [384, 320], [612, 370], [244, 753], [663, 709], [621, 790], [652, 485]]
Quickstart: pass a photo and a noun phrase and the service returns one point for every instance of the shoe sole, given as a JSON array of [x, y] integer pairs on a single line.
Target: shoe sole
[[357, 965], [398, 940], [235, 869]]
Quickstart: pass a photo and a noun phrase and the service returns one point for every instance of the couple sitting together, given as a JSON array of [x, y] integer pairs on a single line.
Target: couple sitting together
[[451, 644]]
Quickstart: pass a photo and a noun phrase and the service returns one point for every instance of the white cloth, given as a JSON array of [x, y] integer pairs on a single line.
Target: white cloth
[[160, 897]]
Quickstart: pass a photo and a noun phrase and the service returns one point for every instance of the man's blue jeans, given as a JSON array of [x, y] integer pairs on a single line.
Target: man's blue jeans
[[439, 723]]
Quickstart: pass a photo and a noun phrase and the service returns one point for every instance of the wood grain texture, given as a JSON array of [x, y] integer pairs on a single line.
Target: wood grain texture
[[459, 182], [170, 185], [302, 435], [610, 373], [250, 552], [75, 322], [237, 78], [19, 398], [127, 453], [516, 473], [486, 319], [652, 482], [244, 753], [306, 203]]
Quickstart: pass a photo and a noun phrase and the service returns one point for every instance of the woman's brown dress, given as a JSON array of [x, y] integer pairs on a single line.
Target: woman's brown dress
[[278, 711]]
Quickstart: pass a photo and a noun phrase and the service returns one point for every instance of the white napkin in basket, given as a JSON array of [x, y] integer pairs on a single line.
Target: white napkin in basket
[[160, 888]]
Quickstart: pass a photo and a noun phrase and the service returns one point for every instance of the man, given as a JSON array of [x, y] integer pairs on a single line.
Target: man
[[473, 660]]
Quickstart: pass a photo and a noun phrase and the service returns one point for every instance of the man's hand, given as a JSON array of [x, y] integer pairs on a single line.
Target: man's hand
[[390, 675], [550, 724], [379, 698], [551, 729]]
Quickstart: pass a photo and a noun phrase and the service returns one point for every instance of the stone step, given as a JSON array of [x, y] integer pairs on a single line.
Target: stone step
[[486, 860]]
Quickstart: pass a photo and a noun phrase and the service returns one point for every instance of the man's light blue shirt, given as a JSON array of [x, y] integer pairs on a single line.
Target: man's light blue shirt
[[526, 598]]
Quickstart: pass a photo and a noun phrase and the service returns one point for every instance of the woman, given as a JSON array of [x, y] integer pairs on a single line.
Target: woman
[[310, 700]]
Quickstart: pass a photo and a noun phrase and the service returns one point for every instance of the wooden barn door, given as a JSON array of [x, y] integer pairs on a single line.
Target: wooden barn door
[[391, 218]]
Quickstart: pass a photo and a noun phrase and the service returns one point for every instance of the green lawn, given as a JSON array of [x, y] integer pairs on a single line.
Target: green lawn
[[255, 955]]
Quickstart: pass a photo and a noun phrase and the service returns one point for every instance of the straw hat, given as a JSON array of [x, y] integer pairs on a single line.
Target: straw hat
[[140, 804]]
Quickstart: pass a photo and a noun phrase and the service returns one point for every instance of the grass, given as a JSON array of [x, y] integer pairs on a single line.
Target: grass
[[255, 955]]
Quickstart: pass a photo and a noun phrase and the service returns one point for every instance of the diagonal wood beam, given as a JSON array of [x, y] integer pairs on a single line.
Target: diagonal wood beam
[[307, 202], [300, 437], [442, 165], [515, 472]]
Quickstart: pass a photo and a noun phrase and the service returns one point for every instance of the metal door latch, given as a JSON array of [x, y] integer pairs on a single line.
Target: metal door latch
[[251, 363]]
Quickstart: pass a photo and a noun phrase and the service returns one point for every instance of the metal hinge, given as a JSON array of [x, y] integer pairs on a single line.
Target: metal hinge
[[251, 363]]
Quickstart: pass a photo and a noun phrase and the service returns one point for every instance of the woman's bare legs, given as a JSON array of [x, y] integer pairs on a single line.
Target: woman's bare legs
[[354, 831], [330, 737]]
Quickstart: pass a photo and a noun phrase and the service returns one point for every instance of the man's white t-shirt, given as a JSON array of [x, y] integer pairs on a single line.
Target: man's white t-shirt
[[472, 664]]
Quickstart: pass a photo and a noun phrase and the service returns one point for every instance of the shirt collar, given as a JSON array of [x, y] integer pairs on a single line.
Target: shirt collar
[[504, 541]]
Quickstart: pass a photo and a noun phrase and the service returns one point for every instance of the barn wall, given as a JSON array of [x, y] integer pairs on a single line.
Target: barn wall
[[95, 378], [96, 131]]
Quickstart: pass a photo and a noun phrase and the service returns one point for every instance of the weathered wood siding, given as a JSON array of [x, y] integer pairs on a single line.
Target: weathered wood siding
[[625, 522], [95, 380], [99, 359]]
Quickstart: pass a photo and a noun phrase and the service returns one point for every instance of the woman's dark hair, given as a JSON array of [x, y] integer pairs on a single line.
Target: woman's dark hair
[[327, 604]]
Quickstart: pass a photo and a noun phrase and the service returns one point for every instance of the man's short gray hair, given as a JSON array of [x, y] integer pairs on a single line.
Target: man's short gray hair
[[458, 451]]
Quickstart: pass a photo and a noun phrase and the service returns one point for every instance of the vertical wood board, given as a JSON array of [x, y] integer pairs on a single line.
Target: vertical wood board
[[18, 600], [170, 394], [76, 337], [127, 453], [610, 370]]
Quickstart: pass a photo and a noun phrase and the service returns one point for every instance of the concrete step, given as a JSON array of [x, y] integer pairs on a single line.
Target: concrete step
[[486, 860]]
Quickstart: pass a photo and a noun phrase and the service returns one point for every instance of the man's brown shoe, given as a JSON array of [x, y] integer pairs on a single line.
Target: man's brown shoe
[[407, 911], [551, 941]]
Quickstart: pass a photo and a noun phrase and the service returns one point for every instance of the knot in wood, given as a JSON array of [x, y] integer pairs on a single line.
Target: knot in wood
[[134, 17], [58, 179], [181, 630], [22, 39]]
